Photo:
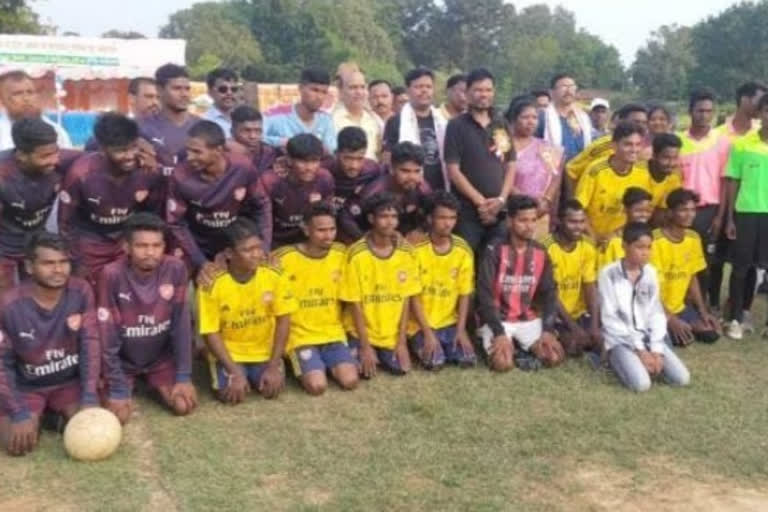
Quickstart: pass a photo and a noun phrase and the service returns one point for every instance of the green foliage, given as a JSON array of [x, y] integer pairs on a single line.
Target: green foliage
[[662, 69], [17, 17], [123, 34]]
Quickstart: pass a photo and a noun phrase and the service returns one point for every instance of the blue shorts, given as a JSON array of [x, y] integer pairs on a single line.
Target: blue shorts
[[319, 357], [447, 351], [387, 358], [690, 316], [220, 376]]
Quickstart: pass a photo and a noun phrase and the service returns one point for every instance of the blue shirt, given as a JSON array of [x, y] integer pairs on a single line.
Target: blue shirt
[[283, 122], [221, 119], [572, 143]]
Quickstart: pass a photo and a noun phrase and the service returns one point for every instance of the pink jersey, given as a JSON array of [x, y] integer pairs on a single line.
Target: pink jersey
[[703, 164]]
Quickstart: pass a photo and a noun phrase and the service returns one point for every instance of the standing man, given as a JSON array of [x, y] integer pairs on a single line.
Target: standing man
[[167, 130], [420, 123], [543, 99], [20, 97], [223, 88], [481, 162], [143, 98], [455, 97], [306, 116], [745, 119], [564, 123], [399, 98], [600, 114], [380, 98], [247, 131], [351, 111]]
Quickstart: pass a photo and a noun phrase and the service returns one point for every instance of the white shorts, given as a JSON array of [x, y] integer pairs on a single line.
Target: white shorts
[[525, 333]]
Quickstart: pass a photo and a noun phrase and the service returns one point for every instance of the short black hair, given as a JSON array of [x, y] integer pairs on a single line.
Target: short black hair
[[455, 79], [245, 113], [30, 133], [210, 132], [749, 89], [517, 106], [225, 74], [443, 199], [135, 84], [407, 152], [351, 138], [241, 229], [763, 102], [626, 128], [304, 146], [655, 107], [115, 130], [538, 93], [681, 196], [143, 221], [634, 195], [519, 202], [44, 239], [318, 209], [380, 202], [557, 78], [417, 73], [630, 108], [634, 231], [398, 90], [168, 72], [570, 205], [663, 141], [478, 75], [379, 81], [314, 75], [699, 95]]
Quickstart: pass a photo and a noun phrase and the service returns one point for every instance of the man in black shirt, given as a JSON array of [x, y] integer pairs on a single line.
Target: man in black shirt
[[480, 160], [421, 123]]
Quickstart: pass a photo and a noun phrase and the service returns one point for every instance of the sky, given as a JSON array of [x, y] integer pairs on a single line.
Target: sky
[[622, 23]]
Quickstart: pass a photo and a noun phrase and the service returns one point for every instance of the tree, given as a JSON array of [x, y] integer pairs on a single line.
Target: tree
[[663, 67], [123, 34], [16, 17]]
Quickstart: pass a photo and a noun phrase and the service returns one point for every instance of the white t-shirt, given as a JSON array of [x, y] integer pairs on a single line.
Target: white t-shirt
[[6, 141]]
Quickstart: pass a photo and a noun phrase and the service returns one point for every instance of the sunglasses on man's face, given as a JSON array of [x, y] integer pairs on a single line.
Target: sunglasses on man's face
[[224, 89]]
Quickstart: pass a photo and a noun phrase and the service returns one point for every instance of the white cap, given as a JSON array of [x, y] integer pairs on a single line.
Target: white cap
[[599, 102]]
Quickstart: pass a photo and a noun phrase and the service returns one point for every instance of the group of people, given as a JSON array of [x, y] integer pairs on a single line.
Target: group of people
[[370, 237]]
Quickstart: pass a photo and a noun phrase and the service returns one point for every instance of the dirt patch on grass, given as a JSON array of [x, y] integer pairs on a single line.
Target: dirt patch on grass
[[33, 504]]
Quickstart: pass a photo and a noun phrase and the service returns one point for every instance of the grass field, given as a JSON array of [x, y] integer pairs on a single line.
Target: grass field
[[564, 439]]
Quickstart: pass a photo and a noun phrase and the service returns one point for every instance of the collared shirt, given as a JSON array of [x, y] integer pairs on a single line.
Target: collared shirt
[[220, 118], [703, 164], [6, 141], [367, 122], [729, 130], [447, 113], [283, 122]]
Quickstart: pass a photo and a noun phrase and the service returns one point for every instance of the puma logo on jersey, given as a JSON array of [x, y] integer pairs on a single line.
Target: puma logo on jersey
[[28, 335], [95, 200], [124, 296], [19, 204]]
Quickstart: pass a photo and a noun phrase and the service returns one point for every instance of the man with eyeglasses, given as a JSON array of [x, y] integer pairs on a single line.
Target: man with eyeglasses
[[223, 89], [563, 123]]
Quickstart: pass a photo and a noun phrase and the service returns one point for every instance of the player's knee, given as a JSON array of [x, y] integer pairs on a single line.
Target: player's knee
[[347, 377], [500, 365], [181, 407], [640, 384]]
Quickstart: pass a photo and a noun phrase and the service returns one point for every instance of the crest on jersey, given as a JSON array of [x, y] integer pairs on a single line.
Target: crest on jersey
[[166, 291], [305, 354], [335, 275], [64, 197], [454, 272], [358, 189], [171, 205], [314, 197], [402, 276], [410, 208], [75, 321], [355, 209], [1, 338], [141, 195], [102, 314], [267, 297], [178, 252], [240, 193]]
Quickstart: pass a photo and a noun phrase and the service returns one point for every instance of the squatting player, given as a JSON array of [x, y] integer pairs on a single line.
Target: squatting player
[[49, 345], [144, 321]]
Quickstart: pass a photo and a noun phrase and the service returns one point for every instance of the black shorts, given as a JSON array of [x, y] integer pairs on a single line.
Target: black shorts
[[751, 244]]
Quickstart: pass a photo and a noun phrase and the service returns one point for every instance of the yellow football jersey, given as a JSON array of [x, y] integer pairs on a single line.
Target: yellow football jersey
[[444, 278], [315, 283], [676, 263], [382, 286], [601, 190], [613, 251], [244, 313], [599, 149], [572, 269], [660, 190]]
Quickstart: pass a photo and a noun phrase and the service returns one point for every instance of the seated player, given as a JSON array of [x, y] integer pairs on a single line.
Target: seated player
[[677, 256], [517, 295], [206, 194], [664, 168], [351, 172], [633, 321], [306, 182], [144, 320], [381, 277], [574, 264], [102, 190], [49, 345], [438, 328], [245, 318], [247, 131], [602, 186], [406, 183], [637, 205], [317, 342]]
